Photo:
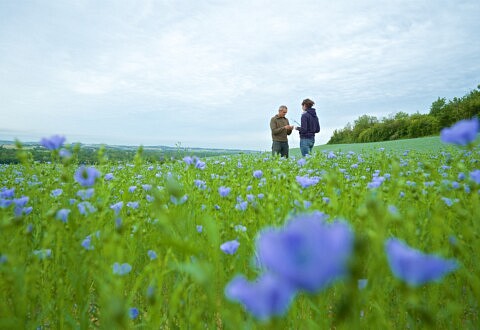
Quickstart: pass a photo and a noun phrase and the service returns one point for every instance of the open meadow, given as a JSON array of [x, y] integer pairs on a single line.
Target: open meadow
[[361, 236]]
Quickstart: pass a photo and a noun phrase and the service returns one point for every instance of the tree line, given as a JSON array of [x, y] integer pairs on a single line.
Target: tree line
[[404, 126]]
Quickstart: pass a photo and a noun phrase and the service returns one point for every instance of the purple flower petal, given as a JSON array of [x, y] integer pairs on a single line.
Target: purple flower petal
[[268, 296], [414, 267]]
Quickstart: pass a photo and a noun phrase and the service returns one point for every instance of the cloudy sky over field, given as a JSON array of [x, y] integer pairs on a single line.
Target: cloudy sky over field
[[213, 73]]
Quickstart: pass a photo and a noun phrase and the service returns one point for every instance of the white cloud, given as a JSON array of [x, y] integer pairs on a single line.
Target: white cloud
[[136, 65]]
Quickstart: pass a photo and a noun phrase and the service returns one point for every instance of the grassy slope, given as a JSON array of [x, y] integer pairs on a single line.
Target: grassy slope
[[420, 144]]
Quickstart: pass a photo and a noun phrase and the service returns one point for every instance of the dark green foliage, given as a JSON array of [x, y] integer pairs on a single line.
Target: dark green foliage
[[403, 126]]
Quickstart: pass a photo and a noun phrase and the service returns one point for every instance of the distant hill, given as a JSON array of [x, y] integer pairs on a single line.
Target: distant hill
[[90, 153]]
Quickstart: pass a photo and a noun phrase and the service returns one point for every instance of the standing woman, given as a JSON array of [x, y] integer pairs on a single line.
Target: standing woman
[[309, 127]]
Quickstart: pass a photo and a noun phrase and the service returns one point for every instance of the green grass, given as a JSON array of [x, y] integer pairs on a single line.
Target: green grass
[[424, 144], [422, 202]]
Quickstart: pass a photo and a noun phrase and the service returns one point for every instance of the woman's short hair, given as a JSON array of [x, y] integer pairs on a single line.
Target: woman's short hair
[[308, 103]]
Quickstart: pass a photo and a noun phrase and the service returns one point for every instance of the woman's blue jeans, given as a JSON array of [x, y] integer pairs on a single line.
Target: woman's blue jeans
[[306, 146]]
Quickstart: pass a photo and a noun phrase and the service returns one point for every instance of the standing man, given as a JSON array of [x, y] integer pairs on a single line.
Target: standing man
[[280, 129], [310, 126]]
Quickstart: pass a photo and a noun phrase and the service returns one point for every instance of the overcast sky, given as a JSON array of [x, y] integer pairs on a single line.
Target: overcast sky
[[213, 73]]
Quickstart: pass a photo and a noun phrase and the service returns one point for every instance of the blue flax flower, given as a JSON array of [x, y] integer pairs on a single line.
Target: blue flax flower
[[122, 269], [117, 207], [178, 201], [43, 253], [147, 187], [7, 193], [133, 313], [152, 255], [56, 192], [302, 162], [85, 194], [133, 205], [306, 181], [109, 176], [188, 160], [86, 208], [376, 182], [200, 165], [64, 153], [21, 202], [447, 201], [62, 215], [199, 228], [331, 155], [224, 191], [240, 228], [230, 247], [475, 176], [308, 252], [20, 208], [362, 283], [87, 243], [461, 133], [414, 267], [4, 203], [86, 176], [200, 184], [267, 296], [257, 174], [52, 143], [241, 206]]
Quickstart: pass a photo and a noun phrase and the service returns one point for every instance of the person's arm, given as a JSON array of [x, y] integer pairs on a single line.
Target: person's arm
[[275, 129], [303, 122], [290, 129], [273, 126]]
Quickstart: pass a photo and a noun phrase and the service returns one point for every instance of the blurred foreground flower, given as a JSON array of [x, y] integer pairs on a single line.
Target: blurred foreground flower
[[133, 313], [306, 181], [43, 254], [461, 133], [257, 174], [475, 176], [53, 143], [308, 253], [152, 254], [122, 269], [86, 176], [224, 191], [268, 296], [230, 247], [415, 267], [62, 215], [117, 207], [87, 243]]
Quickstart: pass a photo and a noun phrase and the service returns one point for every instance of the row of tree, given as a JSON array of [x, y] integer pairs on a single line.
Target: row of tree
[[404, 126]]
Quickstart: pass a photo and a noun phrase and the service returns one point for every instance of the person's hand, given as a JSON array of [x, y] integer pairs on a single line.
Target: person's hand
[[288, 127]]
